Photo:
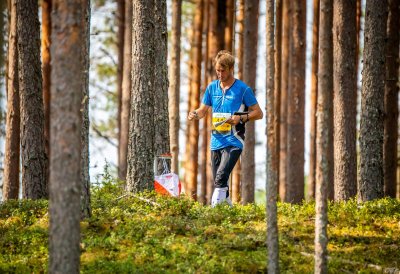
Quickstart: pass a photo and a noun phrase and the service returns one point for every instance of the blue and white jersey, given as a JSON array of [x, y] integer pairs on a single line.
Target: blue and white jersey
[[237, 98]]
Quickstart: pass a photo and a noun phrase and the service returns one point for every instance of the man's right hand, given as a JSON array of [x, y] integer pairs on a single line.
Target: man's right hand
[[193, 115]]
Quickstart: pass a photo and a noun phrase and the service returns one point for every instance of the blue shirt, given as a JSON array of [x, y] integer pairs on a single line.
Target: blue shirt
[[236, 98]]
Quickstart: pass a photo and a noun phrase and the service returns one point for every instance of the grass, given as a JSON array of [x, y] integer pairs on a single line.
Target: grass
[[130, 235]]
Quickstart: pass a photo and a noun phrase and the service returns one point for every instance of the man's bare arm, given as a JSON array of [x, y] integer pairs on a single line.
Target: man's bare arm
[[199, 113]]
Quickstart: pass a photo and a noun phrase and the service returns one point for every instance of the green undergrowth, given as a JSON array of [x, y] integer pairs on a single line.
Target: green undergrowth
[[148, 233]]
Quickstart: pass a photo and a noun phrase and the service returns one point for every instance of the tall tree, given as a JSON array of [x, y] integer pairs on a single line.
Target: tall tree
[[391, 99], [141, 151], [174, 83], [65, 135], [370, 183], [161, 123], [46, 70], [3, 84], [34, 158], [286, 15], [12, 144], [251, 11], [192, 161], [85, 176], [229, 33], [313, 102], [120, 18], [324, 136], [272, 152], [295, 119], [345, 99], [126, 93], [236, 173]]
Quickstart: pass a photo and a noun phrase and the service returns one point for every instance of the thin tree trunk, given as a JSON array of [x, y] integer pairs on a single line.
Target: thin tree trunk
[[229, 28], [202, 197], [126, 93], [391, 99], [286, 15], [141, 150], [65, 134], [324, 136], [295, 134], [370, 184], [86, 211], [161, 123], [46, 70], [278, 83], [120, 18], [251, 9], [192, 161], [34, 158], [12, 144], [174, 83], [345, 99], [313, 103], [3, 85], [272, 152]]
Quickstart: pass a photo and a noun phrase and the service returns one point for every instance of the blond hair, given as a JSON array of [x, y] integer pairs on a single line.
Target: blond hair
[[225, 59]]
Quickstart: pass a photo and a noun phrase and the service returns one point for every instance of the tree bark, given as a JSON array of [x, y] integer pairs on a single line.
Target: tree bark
[[295, 134], [34, 158], [141, 147], [192, 161], [12, 143], [3, 85], [65, 133], [391, 99], [313, 103], [251, 11], [229, 29], [272, 152], [120, 18], [86, 210], [161, 123], [126, 93], [286, 15], [174, 83], [345, 99], [324, 135], [370, 184], [46, 71]]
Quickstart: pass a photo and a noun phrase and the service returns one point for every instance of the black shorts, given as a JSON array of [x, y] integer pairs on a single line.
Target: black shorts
[[223, 161]]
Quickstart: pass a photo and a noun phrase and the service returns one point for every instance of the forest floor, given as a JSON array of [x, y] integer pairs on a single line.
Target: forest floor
[[153, 234]]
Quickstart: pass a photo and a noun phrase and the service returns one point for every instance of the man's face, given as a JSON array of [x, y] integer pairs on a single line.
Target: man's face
[[223, 74]]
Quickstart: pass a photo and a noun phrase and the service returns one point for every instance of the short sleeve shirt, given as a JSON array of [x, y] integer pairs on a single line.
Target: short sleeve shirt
[[236, 98]]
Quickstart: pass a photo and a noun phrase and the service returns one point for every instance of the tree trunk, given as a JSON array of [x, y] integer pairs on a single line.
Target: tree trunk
[[86, 211], [141, 151], [391, 99], [202, 197], [272, 152], [278, 83], [286, 15], [46, 70], [324, 135], [251, 8], [12, 144], [345, 99], [161, 123], [236, 173], [174, 83], [295, 134], [192, 160], [120, 18], [313, 103], [34, 158], [65, 134], [229, 28], [3, 85], [370, 184], [126, 93]]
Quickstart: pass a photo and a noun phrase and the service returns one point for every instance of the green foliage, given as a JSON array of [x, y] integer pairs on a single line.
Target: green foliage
[[148, 233]]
